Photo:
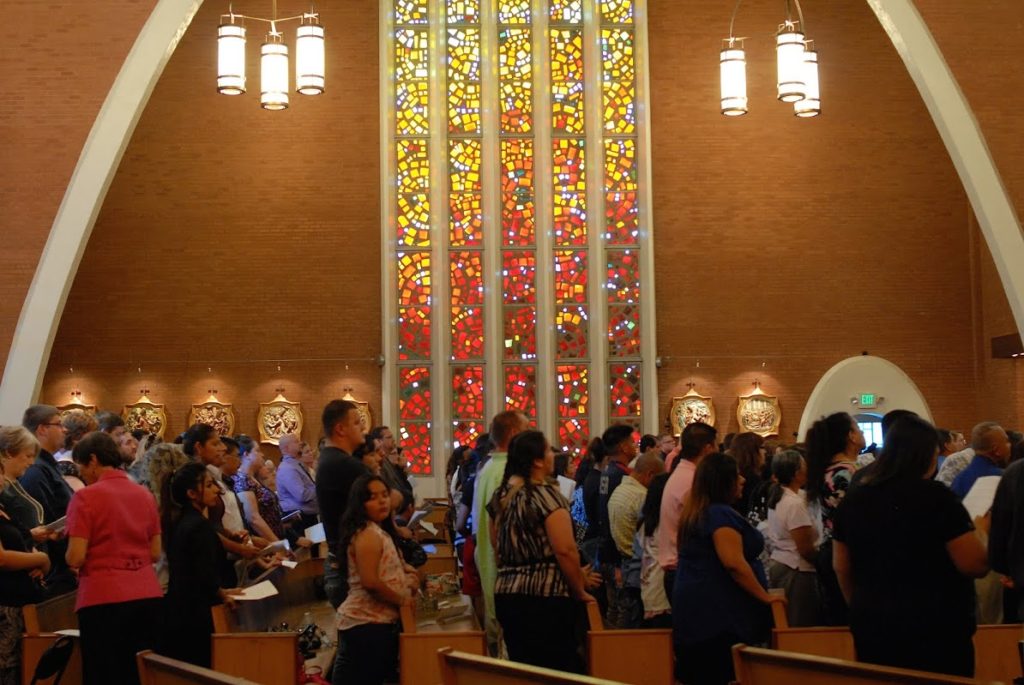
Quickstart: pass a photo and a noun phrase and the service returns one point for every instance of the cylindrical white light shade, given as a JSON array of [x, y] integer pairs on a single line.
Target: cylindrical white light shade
[[309, 59], [810, 106], [734, 81], [789, 49], [231, 59], [274, 74]]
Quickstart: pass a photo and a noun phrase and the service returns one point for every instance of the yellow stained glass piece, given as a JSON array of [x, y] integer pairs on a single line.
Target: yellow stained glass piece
[[413, 164], [411, 54], [464, 165], [414, 220]]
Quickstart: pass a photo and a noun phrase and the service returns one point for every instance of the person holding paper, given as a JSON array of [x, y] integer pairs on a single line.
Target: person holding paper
[[991, 455], [196, 557], [905, 553], [379, 583], [18, 449], [113, 540]]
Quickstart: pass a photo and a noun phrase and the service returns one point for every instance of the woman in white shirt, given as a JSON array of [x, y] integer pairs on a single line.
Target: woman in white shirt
[[793, 539]]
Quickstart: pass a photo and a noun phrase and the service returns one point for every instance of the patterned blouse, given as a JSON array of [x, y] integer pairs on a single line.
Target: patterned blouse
[[837, 482], [360, 607], [266, 502], [526, 561]]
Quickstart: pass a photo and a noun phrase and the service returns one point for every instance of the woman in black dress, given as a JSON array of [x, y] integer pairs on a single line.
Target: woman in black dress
[[195, 556]]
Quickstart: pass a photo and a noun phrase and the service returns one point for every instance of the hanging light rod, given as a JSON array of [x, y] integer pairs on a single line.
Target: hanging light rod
[[796, 62], [309, 57]]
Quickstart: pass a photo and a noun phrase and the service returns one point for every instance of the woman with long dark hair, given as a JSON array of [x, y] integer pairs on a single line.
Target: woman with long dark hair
[[905, 553], [657, 610], [833, 444], [719, 593], [113, 539], [748, 450], [195, 557], [379, 583], [539, 575]]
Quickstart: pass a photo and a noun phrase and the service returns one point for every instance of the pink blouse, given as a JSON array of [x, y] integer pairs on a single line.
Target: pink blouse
[[361, 606]]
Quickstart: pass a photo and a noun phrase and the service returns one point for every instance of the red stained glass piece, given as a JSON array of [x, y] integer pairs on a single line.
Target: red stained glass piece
[[468, 392]]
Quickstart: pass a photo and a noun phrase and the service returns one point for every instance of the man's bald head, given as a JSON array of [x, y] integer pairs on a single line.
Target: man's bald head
[[648, 465]]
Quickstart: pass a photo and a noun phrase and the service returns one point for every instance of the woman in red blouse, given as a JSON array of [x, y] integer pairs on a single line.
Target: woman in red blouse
[[113, 539]]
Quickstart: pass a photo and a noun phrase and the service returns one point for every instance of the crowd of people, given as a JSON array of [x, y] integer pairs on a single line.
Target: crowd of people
[[687, 533]]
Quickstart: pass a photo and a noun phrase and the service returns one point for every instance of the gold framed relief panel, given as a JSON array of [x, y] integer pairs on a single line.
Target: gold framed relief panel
[[278, 418], [365, 413], [759, 412], [145, 415], [214, 413], [691, 408], [76, 403]]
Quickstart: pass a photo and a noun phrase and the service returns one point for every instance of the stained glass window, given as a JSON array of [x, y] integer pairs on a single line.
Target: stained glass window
[[565, 275]]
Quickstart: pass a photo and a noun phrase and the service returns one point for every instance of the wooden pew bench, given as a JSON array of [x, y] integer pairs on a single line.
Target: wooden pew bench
[[161, 670], [41, 623], [458, 668], [773, 667], [420, 640], [996, 655], [618, 654], [244, 647]]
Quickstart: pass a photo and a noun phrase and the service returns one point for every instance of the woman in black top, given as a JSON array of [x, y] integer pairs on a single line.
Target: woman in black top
[[905, 552], [195, 556]]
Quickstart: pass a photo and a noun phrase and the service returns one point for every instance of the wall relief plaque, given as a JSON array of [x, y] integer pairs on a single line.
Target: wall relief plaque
[[76, 403], [691, 408], [759, 413], [145, 415], [278, 417], [365, 415], [214, 413]]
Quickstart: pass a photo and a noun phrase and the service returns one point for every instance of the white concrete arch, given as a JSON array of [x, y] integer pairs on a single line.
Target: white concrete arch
[[863, 374], [44, 304], [97, 164]]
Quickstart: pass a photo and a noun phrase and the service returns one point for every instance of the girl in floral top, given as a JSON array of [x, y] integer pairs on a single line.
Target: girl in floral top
[[539, 574], [379, 583], [833, 444]]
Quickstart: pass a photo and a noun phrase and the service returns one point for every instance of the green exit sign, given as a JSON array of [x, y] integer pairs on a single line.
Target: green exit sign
[[868, 399]]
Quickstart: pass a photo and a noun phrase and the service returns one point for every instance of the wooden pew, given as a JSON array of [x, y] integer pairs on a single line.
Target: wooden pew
[[41, 623], [458, 668], [242, 643], [996, 656], [161, 670], [419, 643], [772, 667], [616, 654]]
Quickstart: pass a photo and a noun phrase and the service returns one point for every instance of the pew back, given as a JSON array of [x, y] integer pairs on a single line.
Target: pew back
[[418, 645], [640, 657], [772, 667], [458, 668], [41, 622], [160, 670]]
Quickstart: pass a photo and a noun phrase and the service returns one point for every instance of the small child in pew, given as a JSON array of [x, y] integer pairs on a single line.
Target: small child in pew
[[379, 583]]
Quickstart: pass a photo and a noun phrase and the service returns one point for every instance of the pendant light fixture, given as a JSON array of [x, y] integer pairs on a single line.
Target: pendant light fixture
[[274, 65], [796, 63]]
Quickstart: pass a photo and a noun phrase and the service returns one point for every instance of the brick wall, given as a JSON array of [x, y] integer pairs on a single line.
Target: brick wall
[[782, 246]]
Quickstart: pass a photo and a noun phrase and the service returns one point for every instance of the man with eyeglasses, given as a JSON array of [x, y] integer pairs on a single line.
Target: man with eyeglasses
[[44, 482]]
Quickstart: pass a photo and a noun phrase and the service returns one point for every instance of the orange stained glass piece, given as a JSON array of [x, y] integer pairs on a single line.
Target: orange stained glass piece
[[568, 165], [570, 219], [570, 277], [411, 54], [467, 330], [574, 435], [519, 276], [411, 108], [619, 101], [624, 330], [413, 220], [566, 55], [573, 396], [466, 432], [413, 333], [412, 162], [414, 393], [415, 440], [464, 165], [623, 281], [620, 172], [467, 277], [567, 107], [571, 332], [468, 392], [520, 329], [413, 279], [465, 220], [516, 101], [521, 388], [622, 218]]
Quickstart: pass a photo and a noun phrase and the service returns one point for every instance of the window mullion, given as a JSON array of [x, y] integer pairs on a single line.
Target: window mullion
[[546, 390], [388, 194]]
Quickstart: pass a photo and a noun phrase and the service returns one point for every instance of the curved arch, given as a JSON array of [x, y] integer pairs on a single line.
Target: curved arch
[[101, 155], [863, 373]]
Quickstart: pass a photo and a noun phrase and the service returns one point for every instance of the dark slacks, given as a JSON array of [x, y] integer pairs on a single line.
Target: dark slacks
[[905, 649], [367, 655], [111, 634], [540, 630], [706, 663]]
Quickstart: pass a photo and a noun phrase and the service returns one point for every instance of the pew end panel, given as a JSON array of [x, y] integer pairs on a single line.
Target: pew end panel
[[160, 670], [459, 668], [417, 654], [32, 648], [613, 654], [271, 658], [42, 620]]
